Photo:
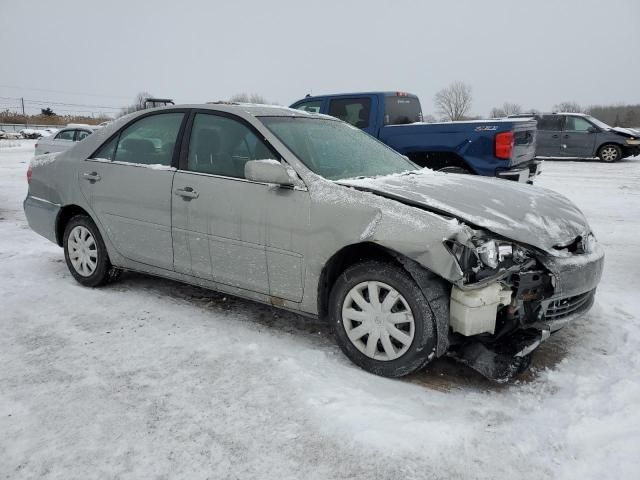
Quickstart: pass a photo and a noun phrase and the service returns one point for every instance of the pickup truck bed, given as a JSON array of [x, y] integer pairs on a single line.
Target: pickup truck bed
[[503, 148]]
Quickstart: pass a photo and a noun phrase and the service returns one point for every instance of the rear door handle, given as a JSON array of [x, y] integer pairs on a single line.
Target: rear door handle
[[555, 136], [92, 177], [187, 192]]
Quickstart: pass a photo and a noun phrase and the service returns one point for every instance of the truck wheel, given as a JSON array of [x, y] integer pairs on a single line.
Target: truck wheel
[[455, 170], [609, 153], [382, 320], [85, 253]]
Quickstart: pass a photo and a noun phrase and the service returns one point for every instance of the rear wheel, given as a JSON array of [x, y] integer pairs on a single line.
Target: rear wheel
[[85, 253], [382, 320], [610, 153]]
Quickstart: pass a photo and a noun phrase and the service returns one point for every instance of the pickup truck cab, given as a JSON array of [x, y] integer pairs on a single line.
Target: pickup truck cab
[[577, 135], [502, 148]]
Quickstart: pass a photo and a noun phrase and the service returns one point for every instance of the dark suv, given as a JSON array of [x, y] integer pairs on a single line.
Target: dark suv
[[576, 135]]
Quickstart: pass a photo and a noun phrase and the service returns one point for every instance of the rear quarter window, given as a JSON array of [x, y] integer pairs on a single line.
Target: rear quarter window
[[401, 110]]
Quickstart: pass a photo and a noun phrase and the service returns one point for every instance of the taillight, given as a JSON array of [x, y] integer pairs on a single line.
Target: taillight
[[29, 174], [504, 145]]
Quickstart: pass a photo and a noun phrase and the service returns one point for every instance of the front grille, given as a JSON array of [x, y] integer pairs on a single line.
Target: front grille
[[564, 307]]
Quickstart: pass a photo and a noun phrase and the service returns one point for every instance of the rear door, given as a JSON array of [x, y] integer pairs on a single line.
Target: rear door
[[127, 183], [358, 111], [548, 137], [578, 137]]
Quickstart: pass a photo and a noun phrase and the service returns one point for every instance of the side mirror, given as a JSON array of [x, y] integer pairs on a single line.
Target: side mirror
[[592, 130], [267, 171]]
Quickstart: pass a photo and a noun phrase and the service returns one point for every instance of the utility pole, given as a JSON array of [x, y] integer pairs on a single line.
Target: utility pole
[[23, 114]]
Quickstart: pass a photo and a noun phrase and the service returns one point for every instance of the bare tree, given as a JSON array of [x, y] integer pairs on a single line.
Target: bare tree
[[497, 112], [429, 119], [245, 98], [506, 110], [511, 108], [569, 107], [453, 102], [138, 103]]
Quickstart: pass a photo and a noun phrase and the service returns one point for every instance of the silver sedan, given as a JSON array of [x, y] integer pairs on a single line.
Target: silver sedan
[[307, 213]]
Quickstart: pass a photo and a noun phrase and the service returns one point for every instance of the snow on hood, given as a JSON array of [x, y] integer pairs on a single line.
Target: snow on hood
[[524, 213], [626, 131]]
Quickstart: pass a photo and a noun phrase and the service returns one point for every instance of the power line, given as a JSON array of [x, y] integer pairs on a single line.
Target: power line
[[62, 91], [44, 102]]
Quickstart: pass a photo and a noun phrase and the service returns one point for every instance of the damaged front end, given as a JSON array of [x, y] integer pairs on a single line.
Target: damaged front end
[[511, 297]]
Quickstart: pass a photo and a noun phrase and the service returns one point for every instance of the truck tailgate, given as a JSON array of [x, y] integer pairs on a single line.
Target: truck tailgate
[[524, 141]]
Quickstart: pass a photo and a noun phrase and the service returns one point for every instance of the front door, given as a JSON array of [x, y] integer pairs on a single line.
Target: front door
[[229, 229], [578, 137], [548, 137], [128, 186]]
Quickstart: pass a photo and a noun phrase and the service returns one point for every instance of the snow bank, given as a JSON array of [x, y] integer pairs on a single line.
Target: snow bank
[[150, 378]]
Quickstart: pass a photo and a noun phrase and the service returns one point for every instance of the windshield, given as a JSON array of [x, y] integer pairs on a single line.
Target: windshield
[[336, 150], [598, 123]]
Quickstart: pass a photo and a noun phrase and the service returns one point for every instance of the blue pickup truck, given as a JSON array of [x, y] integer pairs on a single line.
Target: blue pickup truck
[[502, 148]]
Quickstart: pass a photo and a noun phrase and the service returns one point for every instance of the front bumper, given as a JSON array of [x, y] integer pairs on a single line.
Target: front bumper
[[522, 173], [574, 279]]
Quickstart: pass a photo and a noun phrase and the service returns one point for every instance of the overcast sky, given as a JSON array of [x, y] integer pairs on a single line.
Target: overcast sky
[[534, 53]]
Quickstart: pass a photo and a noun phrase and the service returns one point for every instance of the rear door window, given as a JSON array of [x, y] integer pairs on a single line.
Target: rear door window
[[551, 123], [149, 141], [82, 134], [355, 111]]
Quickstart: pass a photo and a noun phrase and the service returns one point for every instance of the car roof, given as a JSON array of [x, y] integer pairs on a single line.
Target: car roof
[[243, 110], [359, 94], [548, 113]]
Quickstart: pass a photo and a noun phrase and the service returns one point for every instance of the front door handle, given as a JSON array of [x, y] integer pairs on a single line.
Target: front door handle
[[92, 177], [187, 192], [566, 136]]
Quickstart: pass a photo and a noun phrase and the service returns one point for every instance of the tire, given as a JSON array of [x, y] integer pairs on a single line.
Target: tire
[[609, 153], [460, 170], [85, 253], [391, 357]]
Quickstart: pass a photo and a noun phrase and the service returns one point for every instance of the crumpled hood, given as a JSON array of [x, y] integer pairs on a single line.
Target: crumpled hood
[[626, 131], [524, 213]]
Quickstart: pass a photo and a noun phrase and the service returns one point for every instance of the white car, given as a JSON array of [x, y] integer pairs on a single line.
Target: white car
[[9, 135], [63, 140]]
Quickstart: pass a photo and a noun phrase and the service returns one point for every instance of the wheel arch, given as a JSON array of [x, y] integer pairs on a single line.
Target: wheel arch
[[438, 160], [65, 214], [609, 142], [435, 289]]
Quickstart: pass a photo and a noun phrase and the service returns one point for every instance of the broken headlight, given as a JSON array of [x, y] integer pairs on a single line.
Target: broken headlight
[[483, 254]]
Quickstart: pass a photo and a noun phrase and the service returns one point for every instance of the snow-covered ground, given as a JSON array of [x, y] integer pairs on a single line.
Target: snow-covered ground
[[149, 378]]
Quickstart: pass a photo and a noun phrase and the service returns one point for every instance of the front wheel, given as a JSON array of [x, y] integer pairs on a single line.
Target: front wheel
[[382, 320], [610, 153], [85, 253]]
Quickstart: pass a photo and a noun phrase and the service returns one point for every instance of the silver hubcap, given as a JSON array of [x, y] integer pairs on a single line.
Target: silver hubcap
[[609, 154], [378, 320], [83, 252]]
